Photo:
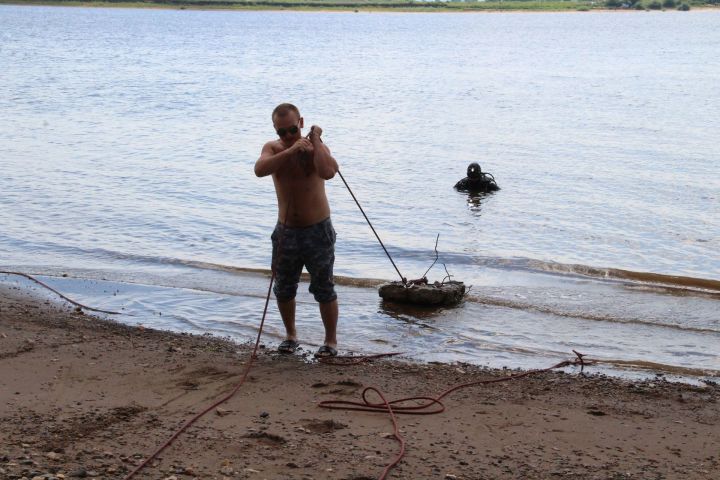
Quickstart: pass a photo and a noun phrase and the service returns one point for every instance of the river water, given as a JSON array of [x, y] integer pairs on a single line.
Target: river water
[[128, 139]]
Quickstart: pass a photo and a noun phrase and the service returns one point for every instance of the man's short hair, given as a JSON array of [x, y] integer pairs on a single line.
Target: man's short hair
[[283, 109]]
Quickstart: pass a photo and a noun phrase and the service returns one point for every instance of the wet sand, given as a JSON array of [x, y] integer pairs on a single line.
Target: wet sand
[[82, 397]]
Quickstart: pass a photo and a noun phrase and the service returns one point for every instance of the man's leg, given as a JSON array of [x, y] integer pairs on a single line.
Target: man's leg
[[287, 265], [287, 312], [320, 257], [329, 314]]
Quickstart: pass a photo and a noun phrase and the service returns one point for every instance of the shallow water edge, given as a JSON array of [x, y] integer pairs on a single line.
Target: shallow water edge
[[484, 331]]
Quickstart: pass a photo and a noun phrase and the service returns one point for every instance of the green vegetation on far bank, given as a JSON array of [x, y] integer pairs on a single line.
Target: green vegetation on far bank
[[683, 5], [384, 5]]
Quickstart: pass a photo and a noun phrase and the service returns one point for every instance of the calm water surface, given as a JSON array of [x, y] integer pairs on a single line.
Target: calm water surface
[[128, 137]]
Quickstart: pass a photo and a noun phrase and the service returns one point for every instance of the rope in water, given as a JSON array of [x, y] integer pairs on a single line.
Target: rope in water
[[30, 277]]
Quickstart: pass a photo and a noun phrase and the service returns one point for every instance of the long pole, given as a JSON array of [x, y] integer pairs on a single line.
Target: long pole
[[403, 279]]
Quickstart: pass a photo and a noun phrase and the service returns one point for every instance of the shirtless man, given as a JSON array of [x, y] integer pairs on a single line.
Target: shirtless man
[[304, 235]]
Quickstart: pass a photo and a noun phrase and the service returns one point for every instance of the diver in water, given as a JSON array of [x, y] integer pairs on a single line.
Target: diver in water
[[477, 181]]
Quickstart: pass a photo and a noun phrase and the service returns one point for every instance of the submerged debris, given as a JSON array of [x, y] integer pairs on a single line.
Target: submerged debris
[[446, 294]]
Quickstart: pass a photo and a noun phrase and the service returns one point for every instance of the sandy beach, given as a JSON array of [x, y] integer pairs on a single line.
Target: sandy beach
[[84, 397]]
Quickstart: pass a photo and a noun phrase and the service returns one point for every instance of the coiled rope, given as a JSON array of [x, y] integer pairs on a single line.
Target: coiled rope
[[396, 407]]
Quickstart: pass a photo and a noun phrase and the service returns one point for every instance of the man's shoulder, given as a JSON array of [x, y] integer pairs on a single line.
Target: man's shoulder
[[275, 145]]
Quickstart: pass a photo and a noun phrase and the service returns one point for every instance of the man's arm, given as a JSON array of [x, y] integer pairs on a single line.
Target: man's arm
[[325, 164], [269, 161]]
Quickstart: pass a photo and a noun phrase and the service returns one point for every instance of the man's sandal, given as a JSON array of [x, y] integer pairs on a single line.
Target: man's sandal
[[325, 351], [288, 346]]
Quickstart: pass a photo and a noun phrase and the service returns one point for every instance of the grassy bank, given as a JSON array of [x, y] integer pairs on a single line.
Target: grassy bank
[[362, 5]]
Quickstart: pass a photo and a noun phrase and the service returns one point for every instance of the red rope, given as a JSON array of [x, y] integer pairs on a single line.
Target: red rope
[[396, 432], [30, 277], [423, 404], [227, 397]]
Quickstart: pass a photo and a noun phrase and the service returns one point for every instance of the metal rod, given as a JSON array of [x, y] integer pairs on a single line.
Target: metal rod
[[403, 279]]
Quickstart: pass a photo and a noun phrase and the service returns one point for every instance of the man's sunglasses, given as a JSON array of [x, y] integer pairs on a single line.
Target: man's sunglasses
[[284, 131]]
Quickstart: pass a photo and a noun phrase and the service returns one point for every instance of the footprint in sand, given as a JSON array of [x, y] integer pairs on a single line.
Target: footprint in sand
[[266, 438], [322, 426], [343, 387]]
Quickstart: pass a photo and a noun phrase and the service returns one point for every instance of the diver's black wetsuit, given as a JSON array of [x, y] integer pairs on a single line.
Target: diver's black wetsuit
[[476, 181], [479, 182], [483, 184]]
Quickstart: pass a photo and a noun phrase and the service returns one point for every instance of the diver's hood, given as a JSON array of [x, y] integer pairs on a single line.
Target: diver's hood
[[474, 171]]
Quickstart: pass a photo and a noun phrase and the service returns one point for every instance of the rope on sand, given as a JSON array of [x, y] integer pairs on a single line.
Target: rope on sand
[[224, 399], [422, 405], [250, 363]]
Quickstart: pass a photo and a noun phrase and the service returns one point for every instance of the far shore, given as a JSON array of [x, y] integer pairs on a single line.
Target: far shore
[[484, 7]]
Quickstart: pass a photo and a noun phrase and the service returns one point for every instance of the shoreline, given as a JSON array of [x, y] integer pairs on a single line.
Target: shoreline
[[359, 8], [83, 394], [161, 303]]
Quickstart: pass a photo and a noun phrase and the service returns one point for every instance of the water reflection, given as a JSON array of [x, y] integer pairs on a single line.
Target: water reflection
[[474, 202], [413, 314]]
